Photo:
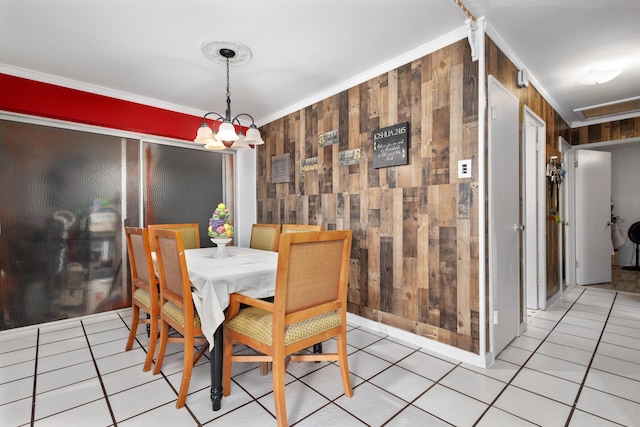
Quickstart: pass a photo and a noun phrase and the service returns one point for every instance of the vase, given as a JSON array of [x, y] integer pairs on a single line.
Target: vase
[[221, 242]]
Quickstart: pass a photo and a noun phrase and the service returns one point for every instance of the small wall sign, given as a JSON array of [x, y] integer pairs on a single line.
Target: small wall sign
[[349, 157], [391, 146], [280, 168], [308, 165], [328, 138]]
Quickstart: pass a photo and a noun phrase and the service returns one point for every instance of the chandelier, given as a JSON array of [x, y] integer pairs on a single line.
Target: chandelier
[[226, 136]]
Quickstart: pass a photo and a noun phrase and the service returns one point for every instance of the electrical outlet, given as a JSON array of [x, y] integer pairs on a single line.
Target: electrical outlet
[[464, 168]]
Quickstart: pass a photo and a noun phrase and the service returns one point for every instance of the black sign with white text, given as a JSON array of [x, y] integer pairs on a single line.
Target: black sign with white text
[[391, 146]]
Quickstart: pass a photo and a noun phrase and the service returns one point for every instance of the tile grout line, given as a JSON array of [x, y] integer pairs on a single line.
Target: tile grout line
[[435, 383], [459, 366], [595, 350], [526, 361], [35, 377], [95, 364], [411, 402], [146, 350], [367, 381], [331, 401]]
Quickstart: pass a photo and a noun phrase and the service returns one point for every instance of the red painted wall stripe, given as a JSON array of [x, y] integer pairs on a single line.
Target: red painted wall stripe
[[35, 98]]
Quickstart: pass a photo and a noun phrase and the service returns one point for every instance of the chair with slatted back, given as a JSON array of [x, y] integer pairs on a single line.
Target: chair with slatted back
[[144, 289], [265, 237], [190, 234], [309, 306], [176, 307], [298, 228]]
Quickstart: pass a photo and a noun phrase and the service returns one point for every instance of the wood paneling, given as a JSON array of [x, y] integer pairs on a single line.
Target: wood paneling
[[610, 131], [415, 258]]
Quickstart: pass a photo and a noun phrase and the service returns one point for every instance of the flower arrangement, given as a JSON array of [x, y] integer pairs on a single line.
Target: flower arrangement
[[219, 226]]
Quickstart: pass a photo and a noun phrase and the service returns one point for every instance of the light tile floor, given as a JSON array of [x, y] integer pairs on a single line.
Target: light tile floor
[[578, 364]]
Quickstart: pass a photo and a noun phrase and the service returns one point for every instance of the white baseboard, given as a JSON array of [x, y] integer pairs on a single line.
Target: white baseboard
[[482, 361]]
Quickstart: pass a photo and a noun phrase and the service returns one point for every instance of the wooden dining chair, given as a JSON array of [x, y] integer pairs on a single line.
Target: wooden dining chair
[[298, 228], [190, 234], [309, 306], [176, 307], [144, 289], [265, 237]]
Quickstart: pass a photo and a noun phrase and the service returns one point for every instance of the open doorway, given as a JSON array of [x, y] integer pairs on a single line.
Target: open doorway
[[625, 207]]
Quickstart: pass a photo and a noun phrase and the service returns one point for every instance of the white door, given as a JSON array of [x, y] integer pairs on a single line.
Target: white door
[[534, 188], [593, 215], [504, 201]]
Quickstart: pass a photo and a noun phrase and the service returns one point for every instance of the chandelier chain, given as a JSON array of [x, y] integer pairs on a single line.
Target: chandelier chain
[[228, 91]]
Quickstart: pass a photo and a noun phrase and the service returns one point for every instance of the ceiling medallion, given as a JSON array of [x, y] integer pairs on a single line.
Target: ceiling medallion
[[212, 48]]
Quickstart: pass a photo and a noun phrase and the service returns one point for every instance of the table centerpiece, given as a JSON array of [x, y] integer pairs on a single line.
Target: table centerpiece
[[220, 230]]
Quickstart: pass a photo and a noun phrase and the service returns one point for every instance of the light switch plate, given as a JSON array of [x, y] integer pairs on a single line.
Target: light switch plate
[[464, 168]]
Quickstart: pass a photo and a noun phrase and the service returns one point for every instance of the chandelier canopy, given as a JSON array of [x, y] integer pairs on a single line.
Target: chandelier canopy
[[226, 136]]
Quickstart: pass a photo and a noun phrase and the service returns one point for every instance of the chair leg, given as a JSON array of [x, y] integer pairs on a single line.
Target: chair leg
[[153, 338], [164, 337], [265, 367], [135, 313], [203, 349], [344, 365], [227, 351], [278, 366], [187, 367]]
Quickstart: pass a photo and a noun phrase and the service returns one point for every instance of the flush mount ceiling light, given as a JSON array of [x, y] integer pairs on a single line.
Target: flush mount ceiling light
[[599, 76], [227, 52]]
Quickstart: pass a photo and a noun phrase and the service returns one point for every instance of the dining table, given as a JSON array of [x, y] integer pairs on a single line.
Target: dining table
[[247, 271]]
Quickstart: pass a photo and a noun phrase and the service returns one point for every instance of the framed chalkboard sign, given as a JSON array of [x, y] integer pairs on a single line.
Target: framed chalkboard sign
[[391, 146]]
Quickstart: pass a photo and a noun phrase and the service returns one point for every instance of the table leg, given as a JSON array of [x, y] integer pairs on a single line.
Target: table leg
[[216, 370], [317, 348]]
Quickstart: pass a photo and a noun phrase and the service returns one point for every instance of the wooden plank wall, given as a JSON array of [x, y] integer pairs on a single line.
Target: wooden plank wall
[[506, 72], [609, 131], [414, 262]]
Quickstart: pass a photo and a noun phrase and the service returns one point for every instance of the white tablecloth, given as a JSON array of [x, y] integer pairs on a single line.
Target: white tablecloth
[[251, 272]]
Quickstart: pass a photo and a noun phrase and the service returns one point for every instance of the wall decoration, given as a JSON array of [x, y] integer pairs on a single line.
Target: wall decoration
[[555, 175], [391, 146], [308, 165], [329, 138], [349, 157], [280, 168]]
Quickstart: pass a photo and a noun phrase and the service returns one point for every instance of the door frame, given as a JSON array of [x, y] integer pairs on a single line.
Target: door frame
[[534, 208], [568, 215], [570, 179]]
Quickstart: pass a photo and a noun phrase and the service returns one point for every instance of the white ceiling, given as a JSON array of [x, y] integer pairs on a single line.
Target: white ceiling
[[149, 50]]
